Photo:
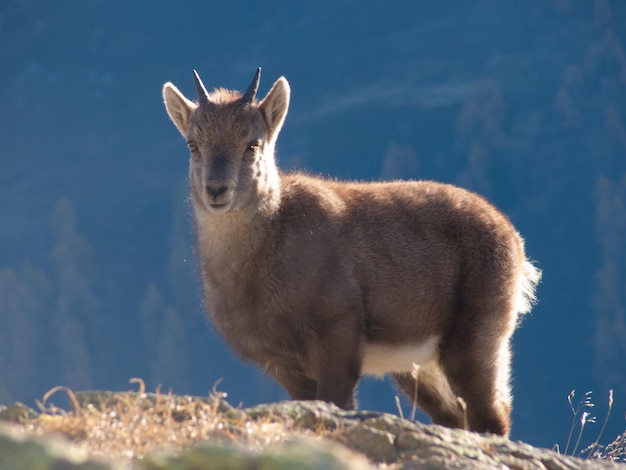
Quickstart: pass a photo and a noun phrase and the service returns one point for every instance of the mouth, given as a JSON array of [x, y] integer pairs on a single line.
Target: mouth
[[222, 207]]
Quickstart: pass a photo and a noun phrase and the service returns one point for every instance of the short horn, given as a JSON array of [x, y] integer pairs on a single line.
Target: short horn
[[203, 96], [250, 93]]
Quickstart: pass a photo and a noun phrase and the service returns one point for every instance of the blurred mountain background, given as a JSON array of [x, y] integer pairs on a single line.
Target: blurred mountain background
[[522, 102]]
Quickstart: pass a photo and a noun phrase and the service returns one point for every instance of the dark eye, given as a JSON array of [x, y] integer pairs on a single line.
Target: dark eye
[[194, 149], [253, 147], [251, 150]]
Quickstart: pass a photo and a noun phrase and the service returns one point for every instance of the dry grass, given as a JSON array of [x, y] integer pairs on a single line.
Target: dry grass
[[613, 452], [128, 426], [616, 450]]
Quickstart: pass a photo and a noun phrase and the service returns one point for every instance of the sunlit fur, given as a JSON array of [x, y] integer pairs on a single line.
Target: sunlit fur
[[319, 281]]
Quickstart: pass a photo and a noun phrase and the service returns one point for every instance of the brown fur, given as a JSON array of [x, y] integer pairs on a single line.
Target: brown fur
[[320, 281]]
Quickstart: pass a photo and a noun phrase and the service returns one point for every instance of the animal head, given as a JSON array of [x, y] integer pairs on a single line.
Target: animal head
[[231, 137]]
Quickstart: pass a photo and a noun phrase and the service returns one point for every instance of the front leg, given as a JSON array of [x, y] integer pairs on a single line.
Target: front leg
[[336, 385], [337, 366], [339, 369], [297, 385]]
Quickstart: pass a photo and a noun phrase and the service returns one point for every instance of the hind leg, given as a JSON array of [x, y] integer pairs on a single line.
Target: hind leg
[[433, 395], [479, 374]]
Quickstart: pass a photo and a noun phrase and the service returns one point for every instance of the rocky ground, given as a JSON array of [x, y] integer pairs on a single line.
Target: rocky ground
[[110, 430]]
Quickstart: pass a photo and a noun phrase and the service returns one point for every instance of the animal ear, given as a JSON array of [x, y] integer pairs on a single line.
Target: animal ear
[[274, 106], [178, 107]]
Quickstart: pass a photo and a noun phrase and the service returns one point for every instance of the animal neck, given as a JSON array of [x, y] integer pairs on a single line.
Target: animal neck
[[238, 234], [268, 184], [268, 193]]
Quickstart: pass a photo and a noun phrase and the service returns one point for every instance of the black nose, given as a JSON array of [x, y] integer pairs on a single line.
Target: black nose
[[216, 188]]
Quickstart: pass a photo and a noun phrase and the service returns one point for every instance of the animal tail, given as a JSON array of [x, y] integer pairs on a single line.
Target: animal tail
[[527, 283]]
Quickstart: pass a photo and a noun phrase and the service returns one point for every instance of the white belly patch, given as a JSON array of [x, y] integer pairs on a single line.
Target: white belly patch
[[379, 359]]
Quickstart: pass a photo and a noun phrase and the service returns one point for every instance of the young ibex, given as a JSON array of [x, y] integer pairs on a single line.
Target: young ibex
[[320, 281]]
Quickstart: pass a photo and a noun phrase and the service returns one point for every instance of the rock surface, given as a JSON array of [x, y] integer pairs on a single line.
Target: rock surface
[[51, 453], [321, 436]]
